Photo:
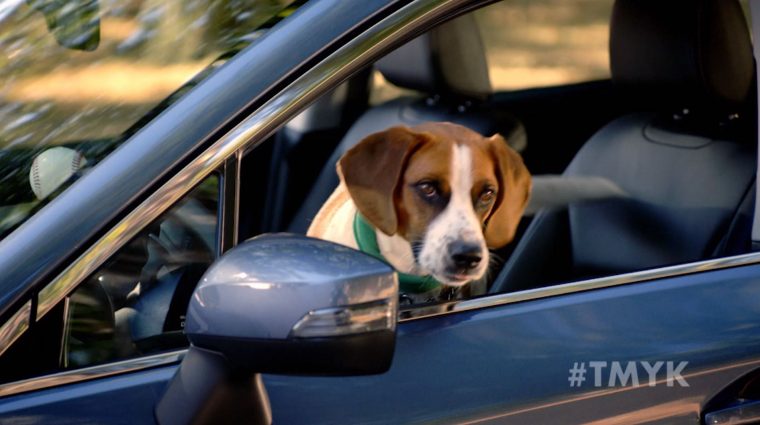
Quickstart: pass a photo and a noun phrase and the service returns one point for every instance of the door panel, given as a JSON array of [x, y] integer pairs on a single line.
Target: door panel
[[125, 399], [511, 363], [507, 364]]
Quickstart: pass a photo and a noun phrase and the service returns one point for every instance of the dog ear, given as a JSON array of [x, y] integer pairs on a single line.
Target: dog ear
[[372, 169], [512, 197]]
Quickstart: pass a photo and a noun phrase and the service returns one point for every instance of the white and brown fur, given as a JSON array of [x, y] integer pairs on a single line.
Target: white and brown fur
[[439, 196]]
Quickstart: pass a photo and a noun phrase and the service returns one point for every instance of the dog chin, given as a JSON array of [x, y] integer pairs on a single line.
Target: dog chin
[[454, 279]]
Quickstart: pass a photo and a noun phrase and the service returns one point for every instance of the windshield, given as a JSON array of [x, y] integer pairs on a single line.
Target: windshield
[[78, 77]]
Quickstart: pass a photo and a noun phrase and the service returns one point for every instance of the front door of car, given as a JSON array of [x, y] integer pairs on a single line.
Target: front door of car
[[658, 350], [574, 353], [668, 344]]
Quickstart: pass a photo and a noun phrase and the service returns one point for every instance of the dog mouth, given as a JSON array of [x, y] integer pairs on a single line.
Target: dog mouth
[[455, 278]]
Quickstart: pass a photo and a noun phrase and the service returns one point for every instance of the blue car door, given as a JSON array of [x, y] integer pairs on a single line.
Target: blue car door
[[657, 350], [671, 344]]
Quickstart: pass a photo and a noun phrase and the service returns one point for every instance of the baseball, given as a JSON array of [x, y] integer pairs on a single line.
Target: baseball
[[52, 168]]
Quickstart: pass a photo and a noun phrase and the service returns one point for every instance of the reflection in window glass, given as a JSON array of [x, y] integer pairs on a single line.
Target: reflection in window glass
[[536, 43], [84, 75], [135, 303]]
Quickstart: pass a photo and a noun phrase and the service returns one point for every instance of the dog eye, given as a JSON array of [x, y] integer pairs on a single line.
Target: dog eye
[[487, 196], [428, 190]]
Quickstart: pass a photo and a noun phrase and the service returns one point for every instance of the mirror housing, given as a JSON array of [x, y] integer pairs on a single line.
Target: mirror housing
[[294, 305], [283, 304]]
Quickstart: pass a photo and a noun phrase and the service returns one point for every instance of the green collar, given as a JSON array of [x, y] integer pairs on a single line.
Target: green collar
[[366, 239]]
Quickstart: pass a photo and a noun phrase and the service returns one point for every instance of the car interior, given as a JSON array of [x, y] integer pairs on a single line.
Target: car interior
[[673, 130], [675, 136]]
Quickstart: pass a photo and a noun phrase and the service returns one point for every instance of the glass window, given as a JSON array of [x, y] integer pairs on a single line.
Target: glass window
[[78, 78], [545, 43], [135, 303]]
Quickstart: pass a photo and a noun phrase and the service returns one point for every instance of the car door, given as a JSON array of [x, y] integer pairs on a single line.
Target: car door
[[663, 345], [508, 357], [575, 353]]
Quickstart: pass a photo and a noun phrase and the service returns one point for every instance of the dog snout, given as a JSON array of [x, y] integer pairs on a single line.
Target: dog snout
[[465, 255]]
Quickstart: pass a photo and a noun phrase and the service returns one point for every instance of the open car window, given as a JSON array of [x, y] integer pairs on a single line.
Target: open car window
[[606, 201]]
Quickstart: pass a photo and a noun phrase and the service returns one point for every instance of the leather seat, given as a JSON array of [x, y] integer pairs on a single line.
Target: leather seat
[[448, 67], [687, 165]]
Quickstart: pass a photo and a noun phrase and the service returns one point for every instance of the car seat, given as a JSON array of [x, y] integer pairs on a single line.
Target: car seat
[[687, 165]]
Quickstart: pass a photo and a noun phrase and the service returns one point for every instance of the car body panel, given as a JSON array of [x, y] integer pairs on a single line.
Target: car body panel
[[512, 362], [123, 399], [507, 363]]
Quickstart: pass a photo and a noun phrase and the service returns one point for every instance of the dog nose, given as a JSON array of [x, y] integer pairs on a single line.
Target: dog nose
[[465, 255]]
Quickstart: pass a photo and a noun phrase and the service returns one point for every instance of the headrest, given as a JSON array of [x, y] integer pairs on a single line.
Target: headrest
[[699, 49], [449, 59]]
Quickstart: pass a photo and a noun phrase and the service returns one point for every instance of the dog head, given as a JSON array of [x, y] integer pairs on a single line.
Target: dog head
[[447, 190]]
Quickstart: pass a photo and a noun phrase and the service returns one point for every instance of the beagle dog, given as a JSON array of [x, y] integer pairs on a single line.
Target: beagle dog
[[430, 200]]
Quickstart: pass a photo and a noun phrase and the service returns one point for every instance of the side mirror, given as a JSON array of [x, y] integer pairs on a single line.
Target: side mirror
[[282, 304]]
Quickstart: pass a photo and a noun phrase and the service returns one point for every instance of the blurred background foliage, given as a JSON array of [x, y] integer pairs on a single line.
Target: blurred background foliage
[[51, 94], [92, 93], [537, 43], [545, 43]]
